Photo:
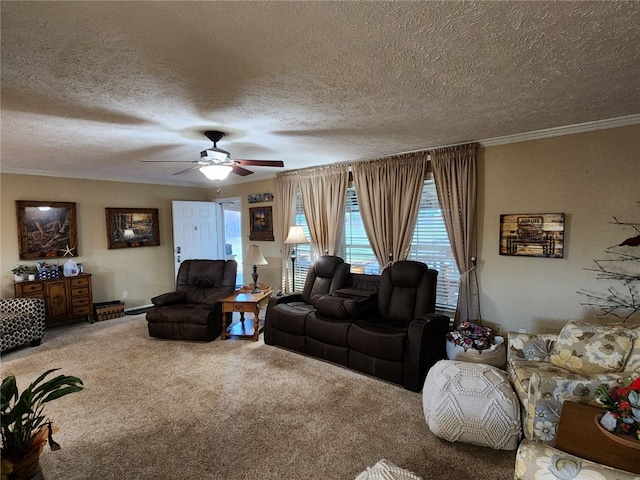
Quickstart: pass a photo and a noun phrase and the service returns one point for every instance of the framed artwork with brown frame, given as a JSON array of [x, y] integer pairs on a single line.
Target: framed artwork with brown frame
[[132, 227], [532, 235], [261, 224], [47, 229]]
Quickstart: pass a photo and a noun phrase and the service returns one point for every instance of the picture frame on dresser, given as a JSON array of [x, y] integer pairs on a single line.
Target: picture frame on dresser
[[46, 229]]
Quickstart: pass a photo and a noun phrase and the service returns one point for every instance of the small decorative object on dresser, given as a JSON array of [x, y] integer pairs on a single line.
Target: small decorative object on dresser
[[19, 271]]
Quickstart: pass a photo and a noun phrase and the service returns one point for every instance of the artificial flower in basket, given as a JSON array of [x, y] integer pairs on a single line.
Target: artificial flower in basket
[[471, 335], [622, 404], [472, 342]]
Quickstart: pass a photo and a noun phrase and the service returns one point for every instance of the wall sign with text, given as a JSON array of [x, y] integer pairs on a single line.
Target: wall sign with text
[[532, 234]]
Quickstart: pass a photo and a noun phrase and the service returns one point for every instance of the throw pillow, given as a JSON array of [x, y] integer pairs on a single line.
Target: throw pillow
[[633, 361], [586, 348]]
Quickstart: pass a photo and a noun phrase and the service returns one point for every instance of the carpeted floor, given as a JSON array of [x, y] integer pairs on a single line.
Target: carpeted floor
[[237, 409]]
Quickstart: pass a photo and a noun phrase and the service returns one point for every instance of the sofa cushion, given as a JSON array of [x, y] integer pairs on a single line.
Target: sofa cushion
[[586, 348], [332, 332], [291, 318], [379, 340]]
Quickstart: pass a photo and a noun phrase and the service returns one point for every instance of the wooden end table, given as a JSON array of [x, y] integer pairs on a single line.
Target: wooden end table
[[578, 435], [244, 301]]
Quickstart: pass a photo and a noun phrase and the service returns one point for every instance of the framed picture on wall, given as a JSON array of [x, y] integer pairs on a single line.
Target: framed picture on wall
[[132, 227], [47, 229], [261, 226], [532, 234]]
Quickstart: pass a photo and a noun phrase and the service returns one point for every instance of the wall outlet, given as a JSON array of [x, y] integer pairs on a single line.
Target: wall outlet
[[125, 294], [522, 330]]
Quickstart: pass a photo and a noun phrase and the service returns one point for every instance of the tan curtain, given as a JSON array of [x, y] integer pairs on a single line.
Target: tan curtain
[[324, 195], [286, 189], [455, 175], [389, 191]]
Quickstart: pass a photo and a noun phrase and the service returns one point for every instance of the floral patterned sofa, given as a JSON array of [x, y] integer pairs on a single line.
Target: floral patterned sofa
[[537, 461], [549, 369]]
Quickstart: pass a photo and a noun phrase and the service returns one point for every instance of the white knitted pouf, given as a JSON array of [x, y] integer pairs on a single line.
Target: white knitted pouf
[[472, 403], [385, 470]]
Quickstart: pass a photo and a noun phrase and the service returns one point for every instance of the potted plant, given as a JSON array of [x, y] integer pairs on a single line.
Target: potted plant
[[19, 271], [24, 428]]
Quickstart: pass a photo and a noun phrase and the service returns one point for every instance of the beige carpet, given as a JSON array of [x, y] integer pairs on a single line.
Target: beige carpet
[[237, 409]]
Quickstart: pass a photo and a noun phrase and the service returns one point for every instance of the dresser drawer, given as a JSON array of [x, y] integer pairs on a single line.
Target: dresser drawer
[[31, 288], [77, 292], [81, 310], [80, 282], [79, 301]]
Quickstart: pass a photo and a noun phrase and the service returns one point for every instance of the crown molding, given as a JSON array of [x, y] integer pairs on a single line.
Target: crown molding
[[564, 130]]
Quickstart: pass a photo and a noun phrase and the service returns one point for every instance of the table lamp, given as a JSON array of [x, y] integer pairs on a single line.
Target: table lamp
[[254, 257], [296, 237]]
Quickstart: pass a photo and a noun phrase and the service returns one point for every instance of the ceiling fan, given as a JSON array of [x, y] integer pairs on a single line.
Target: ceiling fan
[[216, 163]]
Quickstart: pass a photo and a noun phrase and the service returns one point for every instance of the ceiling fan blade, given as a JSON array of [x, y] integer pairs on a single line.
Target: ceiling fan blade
[[186, 170], [261, 163], [243, 172], [167, 161]]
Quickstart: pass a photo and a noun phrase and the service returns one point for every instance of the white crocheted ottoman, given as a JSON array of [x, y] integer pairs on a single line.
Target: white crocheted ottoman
[[385, 470], [472, 403]]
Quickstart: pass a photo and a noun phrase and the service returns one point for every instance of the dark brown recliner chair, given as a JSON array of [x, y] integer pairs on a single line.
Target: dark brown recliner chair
[[286, 315], [193, 311]]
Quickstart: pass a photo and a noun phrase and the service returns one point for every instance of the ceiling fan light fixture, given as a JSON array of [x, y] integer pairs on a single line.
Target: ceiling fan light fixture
[[215, 154], [216, 172]]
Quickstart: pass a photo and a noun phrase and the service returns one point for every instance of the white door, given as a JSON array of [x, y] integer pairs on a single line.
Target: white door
[[198, 231], [232, 214]]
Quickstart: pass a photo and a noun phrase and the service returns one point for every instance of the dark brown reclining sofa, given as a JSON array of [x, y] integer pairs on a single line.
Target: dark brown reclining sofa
[[381, 325]]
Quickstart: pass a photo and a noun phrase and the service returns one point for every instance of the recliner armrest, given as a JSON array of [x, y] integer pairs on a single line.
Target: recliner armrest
[[286, 298], [168, 299], [426, 344], [342, 308]]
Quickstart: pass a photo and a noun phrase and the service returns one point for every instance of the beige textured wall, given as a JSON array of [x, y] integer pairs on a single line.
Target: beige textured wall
[[590, 178], [141, 272], [271, 273]]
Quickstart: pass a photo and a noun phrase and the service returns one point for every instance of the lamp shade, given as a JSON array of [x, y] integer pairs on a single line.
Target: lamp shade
[[254, 256], [296, 236], [216, 172]]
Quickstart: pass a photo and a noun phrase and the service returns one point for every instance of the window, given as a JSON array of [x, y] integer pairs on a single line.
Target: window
[[430, 244], [303, 254]]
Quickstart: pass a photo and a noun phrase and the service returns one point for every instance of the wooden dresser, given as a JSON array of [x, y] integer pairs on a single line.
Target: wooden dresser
[[66, 298]]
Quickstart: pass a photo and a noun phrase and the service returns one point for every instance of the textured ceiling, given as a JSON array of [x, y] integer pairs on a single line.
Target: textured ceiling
[[89, 89]]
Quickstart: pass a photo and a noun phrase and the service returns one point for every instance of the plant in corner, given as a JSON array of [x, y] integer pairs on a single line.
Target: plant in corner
[[23, 426]]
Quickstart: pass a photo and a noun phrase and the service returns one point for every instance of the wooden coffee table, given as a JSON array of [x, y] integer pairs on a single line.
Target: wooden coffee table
[[243, 301], [578, 435]]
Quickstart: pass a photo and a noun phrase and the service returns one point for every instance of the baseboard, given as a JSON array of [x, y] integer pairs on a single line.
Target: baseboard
[[137, 310]]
